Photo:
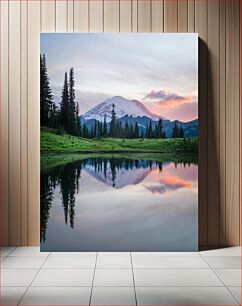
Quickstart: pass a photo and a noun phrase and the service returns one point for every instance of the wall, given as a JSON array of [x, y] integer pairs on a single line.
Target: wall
[[217, 23]]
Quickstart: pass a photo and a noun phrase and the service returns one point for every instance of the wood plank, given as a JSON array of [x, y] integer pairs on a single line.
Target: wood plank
[[96, 16], [33, 123], [232, 122], [70, 15], [182, 16], [213, 123], [14, 122], [4, 122], [61, 16], [111, 16], [144, 16], [157, 22], [81, 16], [134, 19], [170, 15], [240, 156], [222, 141], [125, 16], [191, 16], [48, 16], [201, 28], [23, 123]]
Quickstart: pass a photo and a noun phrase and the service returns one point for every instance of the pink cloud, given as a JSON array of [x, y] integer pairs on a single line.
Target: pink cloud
[[162, 95], [171, 105]]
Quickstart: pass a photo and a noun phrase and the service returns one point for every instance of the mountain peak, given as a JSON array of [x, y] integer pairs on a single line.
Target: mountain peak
[[123, 107]]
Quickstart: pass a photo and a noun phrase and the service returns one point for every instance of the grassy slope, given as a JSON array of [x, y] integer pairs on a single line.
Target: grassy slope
[[51, 142]]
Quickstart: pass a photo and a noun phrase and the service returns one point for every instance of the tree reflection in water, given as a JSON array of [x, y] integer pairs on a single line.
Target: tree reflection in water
[[67, 178]]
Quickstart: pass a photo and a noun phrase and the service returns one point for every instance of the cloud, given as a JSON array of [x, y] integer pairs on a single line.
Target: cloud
[[167, 184], [162, 95], [167, 99]]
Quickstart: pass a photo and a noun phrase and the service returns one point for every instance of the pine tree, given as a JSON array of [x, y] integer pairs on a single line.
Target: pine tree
[[181, 132], [160, 129], [95, 129], [64, 118], [78, 123], [113, 122], [100, 129], [150, 130], [85, 132], [46, 97], [147, 131], [142, 134], [136, 130], [175, 132], [105, 128], [156, 132], [126, 129], [72, 127], [131, 131]]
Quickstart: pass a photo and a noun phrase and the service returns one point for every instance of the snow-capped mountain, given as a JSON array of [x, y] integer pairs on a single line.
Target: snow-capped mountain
[[122, 177], [123, 107], [132, 112]]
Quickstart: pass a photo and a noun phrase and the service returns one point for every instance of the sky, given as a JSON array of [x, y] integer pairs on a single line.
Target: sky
[[159, 70]]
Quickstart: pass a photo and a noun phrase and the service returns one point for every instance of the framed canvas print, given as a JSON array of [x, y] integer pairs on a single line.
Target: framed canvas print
[[119, 142]]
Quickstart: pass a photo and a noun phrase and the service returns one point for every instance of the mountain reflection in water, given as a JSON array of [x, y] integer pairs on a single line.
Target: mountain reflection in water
[[89, 203]]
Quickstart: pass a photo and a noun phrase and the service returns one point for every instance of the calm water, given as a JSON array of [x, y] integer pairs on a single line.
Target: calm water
[[110, 203]]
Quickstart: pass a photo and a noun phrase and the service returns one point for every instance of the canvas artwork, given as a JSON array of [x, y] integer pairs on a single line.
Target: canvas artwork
[[119, 142]]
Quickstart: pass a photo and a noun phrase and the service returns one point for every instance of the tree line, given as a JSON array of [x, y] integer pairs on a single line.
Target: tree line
[[66, 116], [117, 130], [128, 130]]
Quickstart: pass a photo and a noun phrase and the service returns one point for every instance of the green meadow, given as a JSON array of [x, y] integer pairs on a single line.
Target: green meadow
[[54, 143]]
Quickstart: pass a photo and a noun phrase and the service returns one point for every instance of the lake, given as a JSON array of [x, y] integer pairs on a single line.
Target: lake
[[134, 202]]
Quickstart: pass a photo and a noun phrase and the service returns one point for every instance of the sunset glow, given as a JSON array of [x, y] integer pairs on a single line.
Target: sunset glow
[[159, 70]]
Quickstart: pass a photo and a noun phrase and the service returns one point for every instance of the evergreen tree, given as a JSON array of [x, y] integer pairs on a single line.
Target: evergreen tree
[[105, 128], [147, 131], [150, 130], [54, 117], [95, 129], [136, 130], [80, 129], [126, 129], [181, 132], [142, 134], [64, 118], [92, 132], [156, 132], [160, 129], [46, 97], [100, 129], [112, 131], [175, 132], [131, 130], [85, 132], [72, 122], [78, 122]]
